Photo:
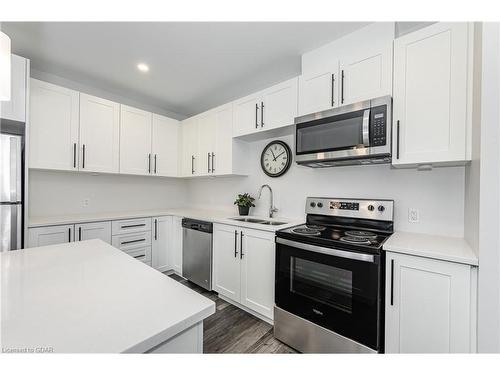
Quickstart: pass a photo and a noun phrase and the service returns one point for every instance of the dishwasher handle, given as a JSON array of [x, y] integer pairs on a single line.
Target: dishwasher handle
[[202, 226]]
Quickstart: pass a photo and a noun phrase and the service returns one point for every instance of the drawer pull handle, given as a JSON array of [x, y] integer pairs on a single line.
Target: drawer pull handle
[[139, 256], [132, 241], [133, 226]]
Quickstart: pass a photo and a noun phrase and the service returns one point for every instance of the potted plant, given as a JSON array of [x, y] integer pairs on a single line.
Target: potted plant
[[244, 202]]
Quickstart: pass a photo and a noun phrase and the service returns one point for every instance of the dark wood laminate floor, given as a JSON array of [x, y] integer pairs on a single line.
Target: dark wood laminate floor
[[232, 330]]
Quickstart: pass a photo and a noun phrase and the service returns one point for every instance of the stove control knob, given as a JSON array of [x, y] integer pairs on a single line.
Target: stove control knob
[[370, 207], [312, 204], [381, 208], [320, 204]]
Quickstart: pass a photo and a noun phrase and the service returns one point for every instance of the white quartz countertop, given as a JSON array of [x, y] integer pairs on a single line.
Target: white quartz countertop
[[451, 249], [88, 297], [214, 216]]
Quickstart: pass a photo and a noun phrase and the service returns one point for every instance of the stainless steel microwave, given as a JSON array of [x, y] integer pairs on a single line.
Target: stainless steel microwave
[[354, 134]]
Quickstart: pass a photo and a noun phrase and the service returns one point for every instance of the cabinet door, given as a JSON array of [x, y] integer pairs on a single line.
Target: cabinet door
[[222, 159], [366, 75], [164, 146], [279, 105], [430, 95], [247, 115], [99, 134], [89, 231], [206, 143], [427, 305], [318, 91], [257, 271], [162, 256], [177, 244], [190, 162], [226, 261], [53, 235], [15, 108], [53, 127], [135, 141]]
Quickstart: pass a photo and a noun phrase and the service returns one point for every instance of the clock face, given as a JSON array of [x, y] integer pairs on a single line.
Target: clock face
[[276, 158]]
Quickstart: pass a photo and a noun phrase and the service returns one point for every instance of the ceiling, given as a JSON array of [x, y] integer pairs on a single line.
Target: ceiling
[[193, 66]]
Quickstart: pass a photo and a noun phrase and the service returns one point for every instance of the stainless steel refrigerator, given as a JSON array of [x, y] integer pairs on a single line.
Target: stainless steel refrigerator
[[11, 185]]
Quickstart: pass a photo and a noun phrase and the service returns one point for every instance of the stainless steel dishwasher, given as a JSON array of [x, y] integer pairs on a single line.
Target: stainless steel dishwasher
[[197, 252]]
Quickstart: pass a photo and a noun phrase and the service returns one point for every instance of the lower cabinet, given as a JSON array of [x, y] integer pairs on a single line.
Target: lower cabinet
[[89, 231], [430, 305], [177, 244], [56, 234], [162, 256], [243, 267]]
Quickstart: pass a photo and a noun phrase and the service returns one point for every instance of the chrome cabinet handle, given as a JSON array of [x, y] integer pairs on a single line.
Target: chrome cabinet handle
[[69, 234], [333, 89], [132, 241], [79, 233], [235, 243], [208, 169], [83, 156], [192, 164], [261, 114], [397, 140], [213, 162], [392, 282], [155, 162], [133, 226], [74, 155], [149, 163], [342, 88], [139, 256], [256, 116], [241, 244]]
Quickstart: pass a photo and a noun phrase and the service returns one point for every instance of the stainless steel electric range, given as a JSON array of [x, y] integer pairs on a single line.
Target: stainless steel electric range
[[330, 277]]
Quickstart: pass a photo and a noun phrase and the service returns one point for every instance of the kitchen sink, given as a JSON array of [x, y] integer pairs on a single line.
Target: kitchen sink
[[273, 223], [249, 220]]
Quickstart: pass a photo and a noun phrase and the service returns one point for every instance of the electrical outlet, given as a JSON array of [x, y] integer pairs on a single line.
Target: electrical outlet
[[413, 215], [86, 202]]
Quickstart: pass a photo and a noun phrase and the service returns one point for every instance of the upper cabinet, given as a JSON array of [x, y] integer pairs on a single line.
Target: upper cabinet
[[354, 68], [430, 104], [15, 108], [53, 127], [165, 138], [189, 158], [135, 141], [271, 108], [99, 134]]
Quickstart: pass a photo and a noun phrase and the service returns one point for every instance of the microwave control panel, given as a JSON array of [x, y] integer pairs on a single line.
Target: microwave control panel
[[378, 126]]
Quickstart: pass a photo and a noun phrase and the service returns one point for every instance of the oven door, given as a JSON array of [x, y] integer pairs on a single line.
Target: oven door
[[336, 289]]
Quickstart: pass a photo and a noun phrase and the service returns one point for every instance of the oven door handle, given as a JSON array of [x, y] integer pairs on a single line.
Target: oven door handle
[[366, 128], [327, 251]]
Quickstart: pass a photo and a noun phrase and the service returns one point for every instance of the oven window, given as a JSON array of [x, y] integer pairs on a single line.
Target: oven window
[[323, 283], [337, 133]]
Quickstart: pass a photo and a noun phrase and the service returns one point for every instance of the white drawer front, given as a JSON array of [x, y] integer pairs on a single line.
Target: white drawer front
[[126, 242], [131, 226], [142, 254]]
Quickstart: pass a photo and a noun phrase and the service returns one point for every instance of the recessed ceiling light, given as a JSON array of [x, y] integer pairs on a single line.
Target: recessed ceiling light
[[143, 67]]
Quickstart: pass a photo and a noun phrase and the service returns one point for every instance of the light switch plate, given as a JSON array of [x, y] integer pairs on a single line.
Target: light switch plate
[[413, 215]]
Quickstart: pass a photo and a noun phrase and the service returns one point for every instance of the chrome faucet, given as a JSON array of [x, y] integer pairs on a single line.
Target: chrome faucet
[[272, 209]]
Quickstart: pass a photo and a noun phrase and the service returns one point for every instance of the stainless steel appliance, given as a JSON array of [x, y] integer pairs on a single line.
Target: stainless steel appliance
[[11, 185], [197, 252], [358, 133], [330, 275]]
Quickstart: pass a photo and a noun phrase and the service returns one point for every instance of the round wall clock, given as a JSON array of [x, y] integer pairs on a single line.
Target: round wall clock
[[276, 158]]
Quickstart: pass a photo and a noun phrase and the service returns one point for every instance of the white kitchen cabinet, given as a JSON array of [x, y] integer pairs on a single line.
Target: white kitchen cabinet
[[135, 141], [97, 230], [177, 244], [428, 305], [318, 90], [257, 271], [162, 249], [243, 267], [206, 142], [99, 134], [15, 108], [165, 146], [271, 108], [366, 75], [53, 127], [190, 160], [430, 103], [226, 261], [52, 235]]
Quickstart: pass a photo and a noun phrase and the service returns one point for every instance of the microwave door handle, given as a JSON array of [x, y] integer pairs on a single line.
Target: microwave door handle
[[366, 128]]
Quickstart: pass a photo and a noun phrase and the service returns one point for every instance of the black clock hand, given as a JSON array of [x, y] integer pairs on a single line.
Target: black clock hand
[[273, 154], [276, 157]]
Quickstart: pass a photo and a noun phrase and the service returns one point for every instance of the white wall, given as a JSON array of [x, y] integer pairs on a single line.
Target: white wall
[[62, 193], [438, 194]]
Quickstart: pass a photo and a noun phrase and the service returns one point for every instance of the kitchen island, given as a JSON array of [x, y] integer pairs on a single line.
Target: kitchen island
[[89, 297]]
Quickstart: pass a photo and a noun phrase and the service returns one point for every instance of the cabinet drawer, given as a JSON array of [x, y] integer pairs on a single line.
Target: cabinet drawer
[[126, 242], [142, 254], [131, 226]]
